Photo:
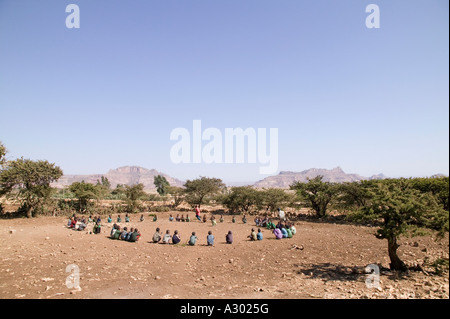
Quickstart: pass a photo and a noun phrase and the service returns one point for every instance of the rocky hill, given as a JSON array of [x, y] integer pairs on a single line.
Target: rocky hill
[[127, 175], [335, 175]]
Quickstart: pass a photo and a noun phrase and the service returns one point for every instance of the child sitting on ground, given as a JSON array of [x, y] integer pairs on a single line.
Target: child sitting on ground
[[252, 235], [130, 234], [193, 239], [117, 233], [293, 229], [289, 232], [97, 228], [127, 219], [259, 236], [113, 230], [124, 234], [109, 219], [134, 237], [176, 238], [73, 222], [81, 225], [142, 218], [157, 236], [167, 237], [210, 239], [277, 233], [229, 237]]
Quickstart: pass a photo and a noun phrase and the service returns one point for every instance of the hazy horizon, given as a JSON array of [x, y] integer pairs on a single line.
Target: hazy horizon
[[239, 183]]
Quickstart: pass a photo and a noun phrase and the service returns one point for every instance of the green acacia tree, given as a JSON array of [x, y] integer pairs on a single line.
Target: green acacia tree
[[273, 198], [401, 210], [317, 194], [161, 184], [178, 195], [133, 194], [198, 189], [104, 187], [84, 192], [242, 199], [28, 182]]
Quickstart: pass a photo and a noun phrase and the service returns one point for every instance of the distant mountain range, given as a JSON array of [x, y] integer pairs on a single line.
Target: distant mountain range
[[335, 175], [127, 175], [130, 175]]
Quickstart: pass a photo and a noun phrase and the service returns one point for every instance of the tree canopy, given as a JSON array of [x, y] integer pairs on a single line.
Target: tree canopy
[[400, 209], [161, 184], [84, 192], [28, 181], [316, 193], [196, 190]]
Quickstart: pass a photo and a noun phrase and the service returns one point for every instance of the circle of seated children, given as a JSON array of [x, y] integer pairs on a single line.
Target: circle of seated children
[[280, 230]]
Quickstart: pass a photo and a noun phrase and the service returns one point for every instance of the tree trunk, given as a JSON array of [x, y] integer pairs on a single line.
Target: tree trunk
[[29, 211], [396, 263]]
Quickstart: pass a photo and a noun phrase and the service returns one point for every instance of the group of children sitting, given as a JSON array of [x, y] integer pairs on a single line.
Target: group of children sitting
[[281, 230], [179, 219], [127, 218], [256, 236], [286, 230], [158, 237], [117, 233], [81, 224]]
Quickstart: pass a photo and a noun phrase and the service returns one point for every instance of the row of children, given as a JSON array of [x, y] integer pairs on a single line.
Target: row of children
[[284, 230], [176, 238], [127, 218], [133, 235], [179, 219]]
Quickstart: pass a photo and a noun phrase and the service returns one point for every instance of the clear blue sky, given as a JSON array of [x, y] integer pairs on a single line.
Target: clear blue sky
[[109, 93]]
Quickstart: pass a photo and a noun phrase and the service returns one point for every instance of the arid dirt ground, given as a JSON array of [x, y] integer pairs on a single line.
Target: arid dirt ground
[[35, 253]]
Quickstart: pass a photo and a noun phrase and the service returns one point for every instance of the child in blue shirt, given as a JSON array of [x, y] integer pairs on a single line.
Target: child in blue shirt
[[129, 234], [210, 239], [192, 239], [124, 234], [259, 236], [284, 232]]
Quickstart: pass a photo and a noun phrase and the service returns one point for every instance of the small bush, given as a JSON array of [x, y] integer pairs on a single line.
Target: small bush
[[160, 209]]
